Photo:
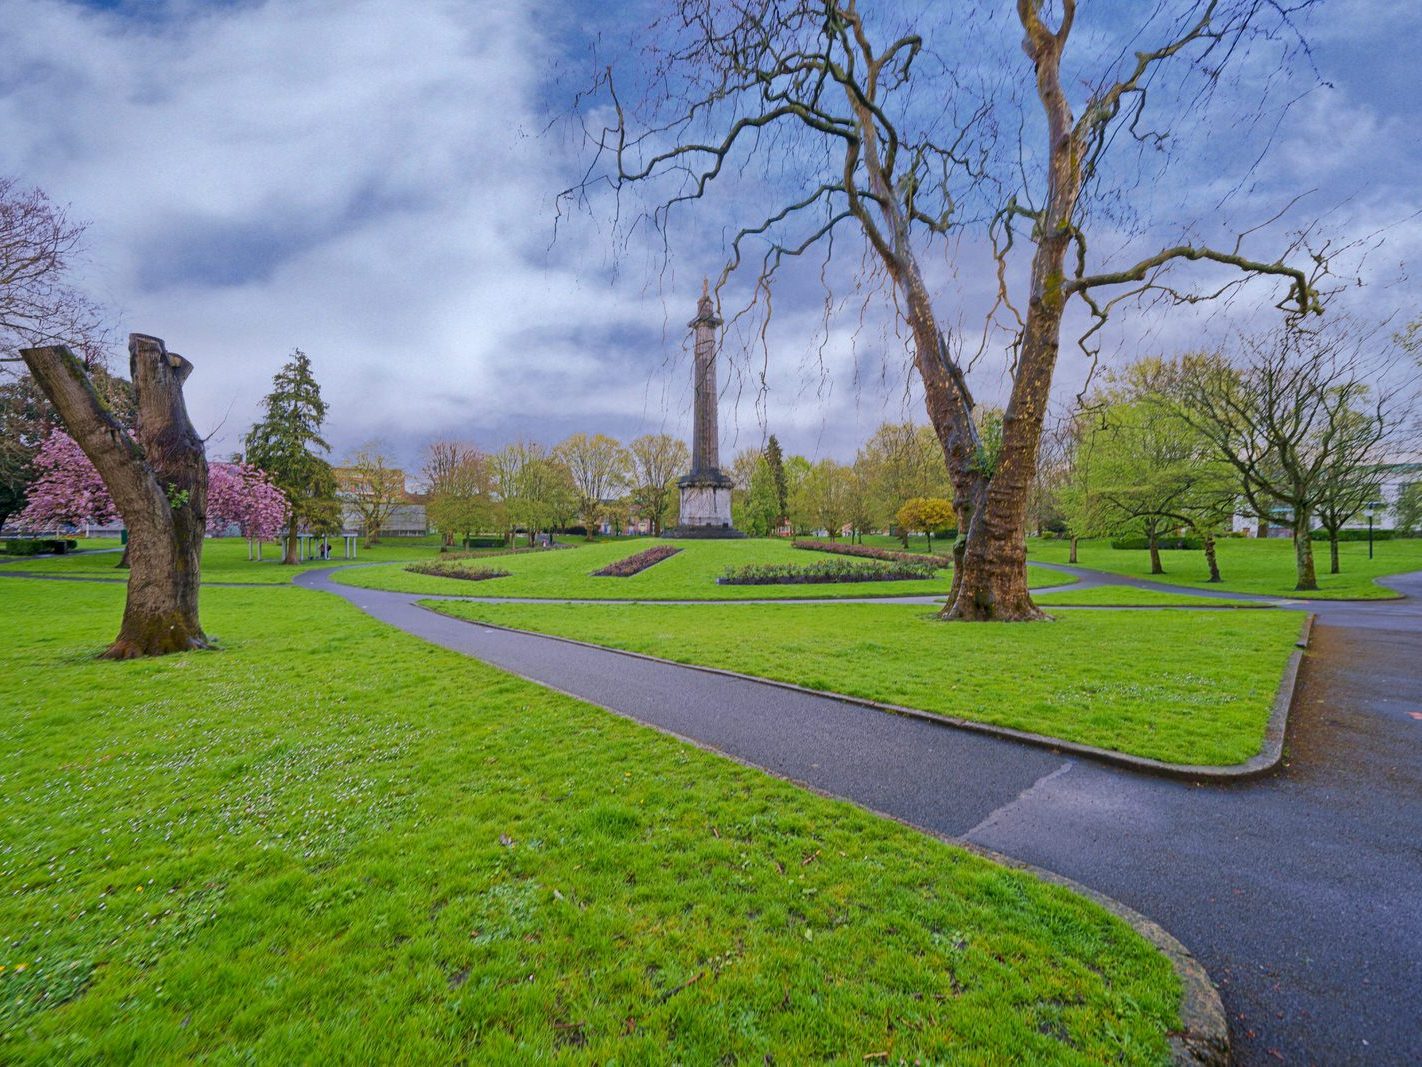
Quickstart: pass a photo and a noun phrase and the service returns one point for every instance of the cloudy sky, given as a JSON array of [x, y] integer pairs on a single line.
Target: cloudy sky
[[375, 183]]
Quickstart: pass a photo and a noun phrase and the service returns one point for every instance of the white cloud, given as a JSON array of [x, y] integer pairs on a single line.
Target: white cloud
[[369, 181]]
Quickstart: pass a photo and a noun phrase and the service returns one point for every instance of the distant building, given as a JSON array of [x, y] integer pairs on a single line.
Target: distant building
[[1393, 478]]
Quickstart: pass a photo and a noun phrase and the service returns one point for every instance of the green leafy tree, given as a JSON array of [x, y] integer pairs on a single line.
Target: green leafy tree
[[1409, 509], [1149, 472], [775, 458], [286, 442], [822, 498], [926, 515], [657, 460], [598, 467], [901, 461], [461, 491], [755, 504]]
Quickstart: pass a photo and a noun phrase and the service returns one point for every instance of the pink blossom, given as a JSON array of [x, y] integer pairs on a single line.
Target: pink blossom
[[242, 495], [68, 490]]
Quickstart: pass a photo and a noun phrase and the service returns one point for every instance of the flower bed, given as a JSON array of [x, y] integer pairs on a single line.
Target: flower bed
[[625, 568], [828, 571], [446, 568], [869, 552]]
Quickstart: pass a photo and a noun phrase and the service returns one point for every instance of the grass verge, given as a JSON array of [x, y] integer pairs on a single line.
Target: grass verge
[[1116, 596], [1251, 565], [224, 559], [331, 842], [1179, 686]]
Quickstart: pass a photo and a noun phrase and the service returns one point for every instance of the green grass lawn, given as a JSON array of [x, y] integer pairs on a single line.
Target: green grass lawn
[[224, 559], [689, 575], [1251, 565], [1128, 596], [1182, 686], [331, 842]]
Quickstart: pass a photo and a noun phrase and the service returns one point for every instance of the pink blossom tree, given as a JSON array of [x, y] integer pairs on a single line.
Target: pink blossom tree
[[242, 495], [68, 490]]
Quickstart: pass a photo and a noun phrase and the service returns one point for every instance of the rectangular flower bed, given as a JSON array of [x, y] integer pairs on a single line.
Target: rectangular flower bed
[[828, 571], [451, 569], [869, 552], [625, 568]]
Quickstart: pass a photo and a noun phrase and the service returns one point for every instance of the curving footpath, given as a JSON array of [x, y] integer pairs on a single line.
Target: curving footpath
[[1297, 891]]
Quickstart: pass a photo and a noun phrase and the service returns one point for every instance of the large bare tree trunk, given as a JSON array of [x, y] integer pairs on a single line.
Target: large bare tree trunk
[[158, 483], [1332, 551]]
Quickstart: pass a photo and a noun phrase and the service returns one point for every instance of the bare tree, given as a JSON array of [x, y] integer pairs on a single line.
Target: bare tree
[[1283, 413], [891, 155], [452, 472], [656, 461], [158, 480], [38, 305], [374, 486], [1352, 480]]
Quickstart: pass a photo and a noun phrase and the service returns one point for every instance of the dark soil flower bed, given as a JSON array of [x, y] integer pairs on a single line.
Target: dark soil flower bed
[[869, 552], [828, 571], [446, 568], [625, 568]]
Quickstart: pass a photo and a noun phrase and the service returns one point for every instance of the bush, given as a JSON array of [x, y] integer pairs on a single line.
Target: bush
[[1162, 543], [31, 546], [448, 568], [835, 570], [625, 568], [869, 552], [484, 541], [1354, 535]]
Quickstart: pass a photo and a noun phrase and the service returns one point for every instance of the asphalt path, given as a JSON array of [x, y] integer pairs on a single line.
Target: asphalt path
[[1301, 892]]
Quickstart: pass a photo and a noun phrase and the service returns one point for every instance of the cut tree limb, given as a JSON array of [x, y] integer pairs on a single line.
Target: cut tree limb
[[158, 481]]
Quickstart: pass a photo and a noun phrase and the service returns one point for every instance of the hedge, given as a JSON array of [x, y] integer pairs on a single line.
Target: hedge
[[1353, 534], [1161, 542], [38, 546]]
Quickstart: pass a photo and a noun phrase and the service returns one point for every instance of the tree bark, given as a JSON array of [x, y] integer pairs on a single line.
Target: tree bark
[[1209, 543], [1332, 551], [1303, 552], [1154, 541], [291, 554], [158, 481], [1072, 557]]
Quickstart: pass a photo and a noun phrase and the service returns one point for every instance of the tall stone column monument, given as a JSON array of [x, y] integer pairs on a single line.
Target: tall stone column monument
[[705, 491]]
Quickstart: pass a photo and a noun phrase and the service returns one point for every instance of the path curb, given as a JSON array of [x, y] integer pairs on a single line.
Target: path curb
[[1269, 757], [1203, 1037]]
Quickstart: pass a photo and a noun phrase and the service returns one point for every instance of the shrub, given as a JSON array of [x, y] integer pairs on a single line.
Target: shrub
[[1352, 534], [448, 568], [869, 552], [1162, 543], [38, 546], [484, 541], [625, 568], [835, 570]]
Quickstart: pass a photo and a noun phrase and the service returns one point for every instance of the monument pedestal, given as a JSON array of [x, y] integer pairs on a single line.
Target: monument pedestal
[[705, 507]]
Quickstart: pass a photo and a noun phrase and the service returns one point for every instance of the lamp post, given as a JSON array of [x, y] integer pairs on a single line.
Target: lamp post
[[1369, 514]]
